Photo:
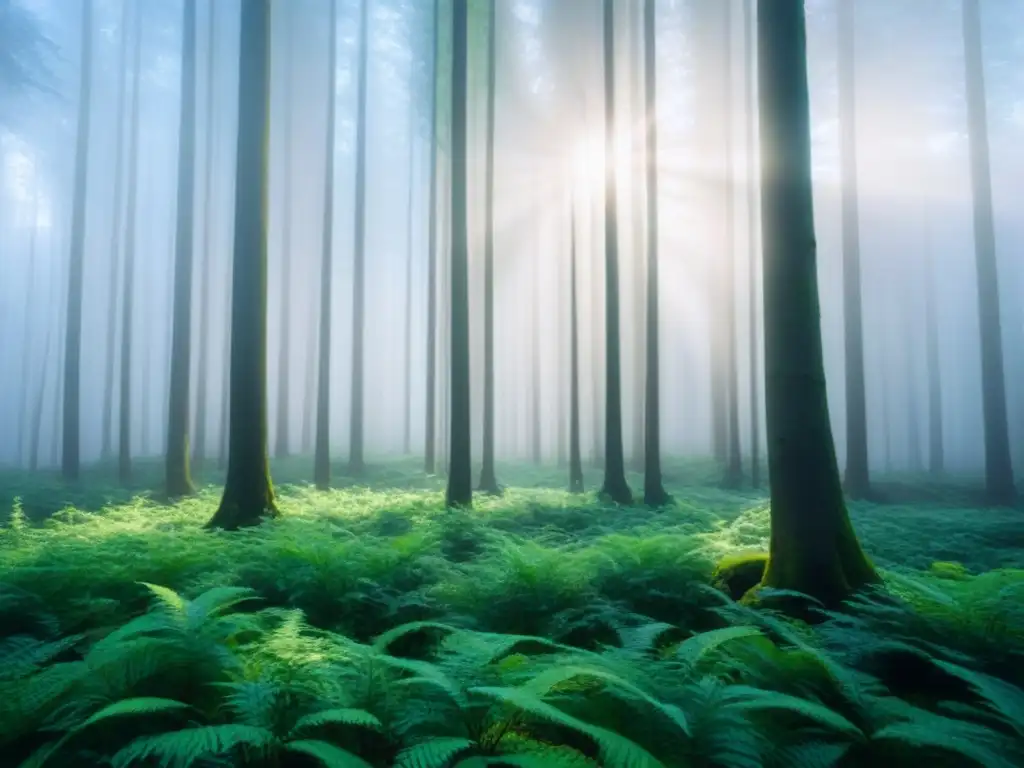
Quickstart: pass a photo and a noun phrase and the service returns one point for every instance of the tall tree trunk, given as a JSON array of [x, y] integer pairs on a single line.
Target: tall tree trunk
[[124, 440], [654, 490], [206, 276], [814, 549], [749, 119], [488, 476], [50, 345], [225, 389], [638, 165], [27, 332], [936, 446], [999, 482], [575, 457], [734, 465], [536, 417], [356, 461], [410, 209], [309, 388], [116, 236], [914, 460], [282, 432], [460, 479], [248, 492], [615, 486], [430, 406], [71, 458], [322, 458], [179, 478], [858, 483]]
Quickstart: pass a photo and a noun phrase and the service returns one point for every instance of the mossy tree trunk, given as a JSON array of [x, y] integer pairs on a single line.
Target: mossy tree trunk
[[654, 490], [178, 477], [615, 486], [131, 241], [858, 481], [999, 482], [71, 446], [460, 480], [357, 418], [248, 493], [813, 548], [488, 475], [322, 458]]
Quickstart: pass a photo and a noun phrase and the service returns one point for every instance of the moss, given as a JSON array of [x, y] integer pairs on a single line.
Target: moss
[[739, 573], [951, 571]]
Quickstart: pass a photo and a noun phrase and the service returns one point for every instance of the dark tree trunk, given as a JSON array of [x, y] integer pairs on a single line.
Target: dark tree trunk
[[356, 461], [71, 457], [615, 487], [936, 446], [282, 437], [322, 459], [814, 549], [248, 492], [116, 237], [749, 119], [858, 482], [430, 406], [124, 440], [206, 275], [999, 482], [654, 490], [575, 457], [460, 479], [488, 476], [178, 476], [638, 168], [734, 463]]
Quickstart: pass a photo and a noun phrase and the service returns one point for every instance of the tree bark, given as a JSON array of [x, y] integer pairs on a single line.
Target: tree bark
[[813, 547], [752, 304], [282, 436], [575, 455], [430, 406], [248, 493]]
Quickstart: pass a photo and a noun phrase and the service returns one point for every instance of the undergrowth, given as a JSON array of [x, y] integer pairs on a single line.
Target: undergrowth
[[369, 626]]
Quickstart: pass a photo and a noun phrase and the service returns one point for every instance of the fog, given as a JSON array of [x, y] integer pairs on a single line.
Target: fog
[[916, 221]]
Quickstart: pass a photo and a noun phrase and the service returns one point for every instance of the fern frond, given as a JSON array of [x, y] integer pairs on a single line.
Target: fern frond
[[811, 754], [22, 655], [435, 753], [975, 745], [181, 749], [137, 707], [327, 754], [755, 699], [692, 649], [1002, 699], [358, 718]]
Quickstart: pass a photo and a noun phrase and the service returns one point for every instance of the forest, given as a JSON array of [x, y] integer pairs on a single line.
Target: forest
[[528, 383]]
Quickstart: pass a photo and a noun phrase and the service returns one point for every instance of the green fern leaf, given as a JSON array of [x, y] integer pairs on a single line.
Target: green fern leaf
[[359, 718], [214, 602], [617, 751], [327, 754], [755, 699], [383, 641], [426, 673], [183, 748], [546, 757], [22, 655], [137, 707], [975, 744], [692, 649], [811, 754], [435, 753], [167, 597], [1004, 700]]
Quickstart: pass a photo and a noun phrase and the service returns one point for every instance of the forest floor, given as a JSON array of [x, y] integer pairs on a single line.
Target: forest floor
[[380, 551]]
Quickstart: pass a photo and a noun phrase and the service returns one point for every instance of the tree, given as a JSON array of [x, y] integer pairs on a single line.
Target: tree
[[248, 492], [460, 480], [858, 483], [575, 457], [356, 461], [71, 457], [322, 459], [430, 406], [813, 547], [654, 491], [124, 441], [488, 477], [410, 210], [999, 481], [178, 476], [615, 486], [936, 447], [750, 75]]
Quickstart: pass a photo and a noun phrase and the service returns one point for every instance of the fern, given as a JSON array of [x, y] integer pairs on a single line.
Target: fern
[[433, 753], [328, 755], [184, 748]]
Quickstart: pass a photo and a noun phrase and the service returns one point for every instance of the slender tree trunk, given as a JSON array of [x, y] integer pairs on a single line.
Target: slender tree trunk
[[282, 437], [27, 332], [536, 430], [71, 458], [124, 440], [179, 478], [357, 417], [615, 486], [575, 457], [755, 407], [488, 476], [999, 482], [914, 459], [936, 449], [460, 480], [814, 549], [309, 388], [50, 345], [225, 389], [858, 483], [638, 169], [248, 492], [115, 239], [654, 490], [410, 222], [322, 459], [206, 276], [430, 409]]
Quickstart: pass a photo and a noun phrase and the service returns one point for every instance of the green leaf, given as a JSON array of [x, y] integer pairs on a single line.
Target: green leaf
[[758, 700], [167, 597], [341, 716], [976, 744], [692, 649], [327, 754], [134, 707], [183, 748], [435, 753], [812, 754]]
